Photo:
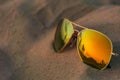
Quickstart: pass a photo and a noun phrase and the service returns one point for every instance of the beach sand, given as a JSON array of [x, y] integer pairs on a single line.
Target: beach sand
[[27, 31]]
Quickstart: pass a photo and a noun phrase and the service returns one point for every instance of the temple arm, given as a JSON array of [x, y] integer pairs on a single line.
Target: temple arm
[[115, 54]]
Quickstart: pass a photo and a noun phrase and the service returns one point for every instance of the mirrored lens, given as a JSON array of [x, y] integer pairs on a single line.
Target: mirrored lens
[[94, 48], [63, 34]]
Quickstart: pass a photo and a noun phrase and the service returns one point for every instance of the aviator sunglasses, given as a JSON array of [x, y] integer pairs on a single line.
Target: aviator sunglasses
[[94, 48]]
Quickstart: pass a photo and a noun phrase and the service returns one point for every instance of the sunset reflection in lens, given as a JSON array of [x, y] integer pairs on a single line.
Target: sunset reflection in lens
[[94, 48]]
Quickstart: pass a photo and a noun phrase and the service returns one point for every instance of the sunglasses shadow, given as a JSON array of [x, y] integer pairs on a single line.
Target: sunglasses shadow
[[115, 61]]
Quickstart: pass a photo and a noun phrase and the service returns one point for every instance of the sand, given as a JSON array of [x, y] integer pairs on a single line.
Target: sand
[[27, 30]]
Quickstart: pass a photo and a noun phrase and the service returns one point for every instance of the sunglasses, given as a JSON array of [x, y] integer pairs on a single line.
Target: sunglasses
[[94, 48]]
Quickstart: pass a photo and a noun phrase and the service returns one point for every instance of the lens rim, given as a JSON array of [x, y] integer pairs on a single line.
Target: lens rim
[[57, 29], [102, 35]]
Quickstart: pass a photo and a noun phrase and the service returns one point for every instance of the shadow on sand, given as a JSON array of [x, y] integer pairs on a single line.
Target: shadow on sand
[[6, 69]]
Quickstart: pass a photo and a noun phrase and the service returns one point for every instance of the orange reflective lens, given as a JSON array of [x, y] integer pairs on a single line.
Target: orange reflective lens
[[63, 34], [94, 48]]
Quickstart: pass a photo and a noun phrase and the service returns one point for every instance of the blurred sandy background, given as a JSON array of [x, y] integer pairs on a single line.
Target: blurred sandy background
[[27, 30]]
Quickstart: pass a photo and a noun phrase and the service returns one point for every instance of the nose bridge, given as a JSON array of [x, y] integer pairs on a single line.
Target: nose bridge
[[75, 33]]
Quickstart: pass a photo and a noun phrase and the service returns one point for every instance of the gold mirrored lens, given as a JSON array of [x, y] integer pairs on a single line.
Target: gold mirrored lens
[[63, 34], [94, 48]]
